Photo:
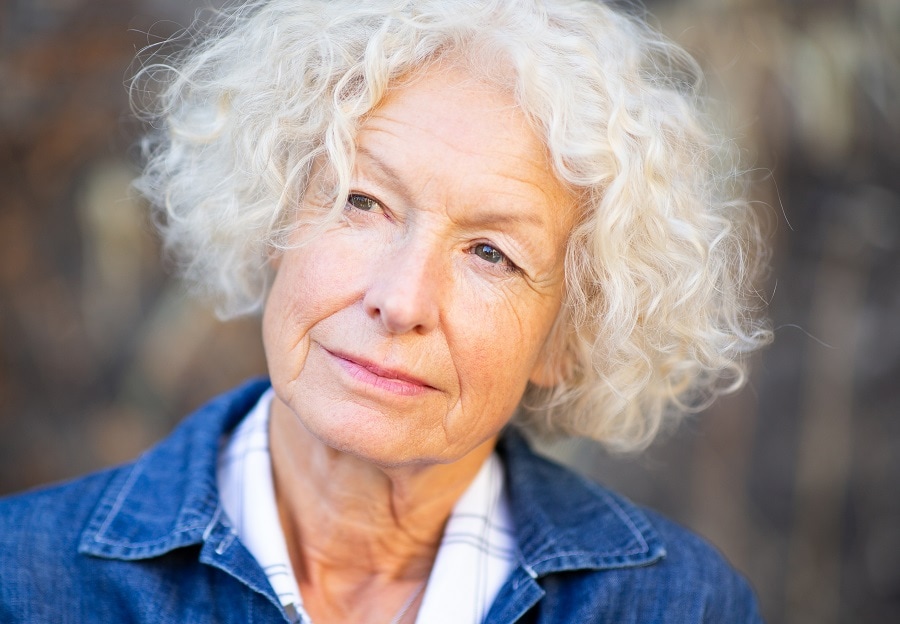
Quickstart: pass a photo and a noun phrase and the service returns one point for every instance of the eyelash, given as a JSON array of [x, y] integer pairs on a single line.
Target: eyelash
[[504, 263]]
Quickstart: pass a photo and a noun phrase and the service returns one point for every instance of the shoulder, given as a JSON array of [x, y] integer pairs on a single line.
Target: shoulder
[[154, 485], [39, 534], [591, 547], [51, 513], [698, 579], [102, 543]]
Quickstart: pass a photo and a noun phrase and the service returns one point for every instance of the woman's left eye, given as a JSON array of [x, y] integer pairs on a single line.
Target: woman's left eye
[[489, 253]]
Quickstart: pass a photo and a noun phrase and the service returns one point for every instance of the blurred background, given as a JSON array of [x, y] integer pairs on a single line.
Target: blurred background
[[795, 479]]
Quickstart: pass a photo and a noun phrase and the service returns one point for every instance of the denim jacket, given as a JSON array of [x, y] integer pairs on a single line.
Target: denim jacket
[[148, 542]]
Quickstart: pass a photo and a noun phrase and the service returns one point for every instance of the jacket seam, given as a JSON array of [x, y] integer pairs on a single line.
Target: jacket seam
[[136, 471], [635, 531]]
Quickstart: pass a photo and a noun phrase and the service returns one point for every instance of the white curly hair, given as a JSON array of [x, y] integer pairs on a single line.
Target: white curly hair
[[660, 309]]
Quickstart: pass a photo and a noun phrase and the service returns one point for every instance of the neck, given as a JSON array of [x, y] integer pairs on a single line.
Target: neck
[[354, 528]]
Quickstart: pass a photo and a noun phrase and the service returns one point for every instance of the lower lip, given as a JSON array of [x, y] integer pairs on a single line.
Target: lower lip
[[398, 387]]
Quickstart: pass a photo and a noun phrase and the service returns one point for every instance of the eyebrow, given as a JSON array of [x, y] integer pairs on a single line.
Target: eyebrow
[[482, 219], [387, 172]]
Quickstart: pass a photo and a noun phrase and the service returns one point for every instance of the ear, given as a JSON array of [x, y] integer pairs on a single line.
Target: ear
[[274, 259], [545, 374], [555, 361]]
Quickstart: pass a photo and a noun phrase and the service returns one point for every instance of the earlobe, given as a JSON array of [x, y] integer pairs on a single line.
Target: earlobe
[[556, 361], [274, 259], [554, 364], [543, 375]]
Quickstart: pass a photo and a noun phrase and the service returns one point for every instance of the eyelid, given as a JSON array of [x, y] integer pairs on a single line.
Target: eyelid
[[505, 266]]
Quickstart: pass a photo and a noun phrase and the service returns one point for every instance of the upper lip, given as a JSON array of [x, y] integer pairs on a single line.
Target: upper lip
[[381, 371]]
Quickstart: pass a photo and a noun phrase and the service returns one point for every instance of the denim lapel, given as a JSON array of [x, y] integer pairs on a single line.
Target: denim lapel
[[168, 498], [565, 522]]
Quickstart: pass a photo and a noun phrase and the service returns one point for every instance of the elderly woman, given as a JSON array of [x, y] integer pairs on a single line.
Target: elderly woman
[[460, 220]]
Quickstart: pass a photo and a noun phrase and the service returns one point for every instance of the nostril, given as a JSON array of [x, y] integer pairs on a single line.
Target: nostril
[[402, 295]]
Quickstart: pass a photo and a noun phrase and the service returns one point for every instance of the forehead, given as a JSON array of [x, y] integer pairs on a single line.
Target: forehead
[[452, 132]]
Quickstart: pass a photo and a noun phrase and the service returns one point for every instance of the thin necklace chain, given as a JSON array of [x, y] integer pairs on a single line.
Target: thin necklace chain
[[294, 616], [398, 617]]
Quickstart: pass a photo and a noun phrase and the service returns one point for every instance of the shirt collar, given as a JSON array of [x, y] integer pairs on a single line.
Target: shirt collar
[[169, 499], [475, 557], [247, 493]]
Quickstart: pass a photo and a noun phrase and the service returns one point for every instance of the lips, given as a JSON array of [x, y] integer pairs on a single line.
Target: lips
[[389, 379]]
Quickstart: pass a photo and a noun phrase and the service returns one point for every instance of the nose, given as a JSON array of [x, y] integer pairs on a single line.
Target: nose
[[405, 289]]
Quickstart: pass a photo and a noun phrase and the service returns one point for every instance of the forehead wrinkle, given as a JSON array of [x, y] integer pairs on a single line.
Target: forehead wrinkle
[[452, 140], [513, 198], [394, 175], [513, 215], [387, 173]]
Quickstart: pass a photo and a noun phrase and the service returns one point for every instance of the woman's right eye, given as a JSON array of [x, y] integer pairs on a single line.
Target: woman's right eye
[[362, 202]]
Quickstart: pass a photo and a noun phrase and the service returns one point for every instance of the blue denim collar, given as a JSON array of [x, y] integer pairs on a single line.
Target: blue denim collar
[[168, 499], [565, 522]]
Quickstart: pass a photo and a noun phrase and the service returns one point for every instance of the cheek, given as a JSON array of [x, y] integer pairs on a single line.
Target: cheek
[[497, 348], [309, 286], [284, 330]]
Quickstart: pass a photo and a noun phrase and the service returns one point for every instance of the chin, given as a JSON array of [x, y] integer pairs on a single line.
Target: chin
[[372, 440]]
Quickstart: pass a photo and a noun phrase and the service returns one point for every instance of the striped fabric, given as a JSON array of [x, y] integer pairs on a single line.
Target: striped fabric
[[476, 555]]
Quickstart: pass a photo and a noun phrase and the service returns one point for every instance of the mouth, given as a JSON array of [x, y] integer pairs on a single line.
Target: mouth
[[388, 379]]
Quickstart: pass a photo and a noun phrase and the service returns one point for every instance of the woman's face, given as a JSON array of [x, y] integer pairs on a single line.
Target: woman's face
[[407, 332]]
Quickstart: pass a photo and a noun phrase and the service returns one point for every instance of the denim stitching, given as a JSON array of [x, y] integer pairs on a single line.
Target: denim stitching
[[120, 499]]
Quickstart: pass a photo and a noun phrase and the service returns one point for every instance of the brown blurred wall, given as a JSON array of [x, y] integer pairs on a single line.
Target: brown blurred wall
[[795, 479]]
